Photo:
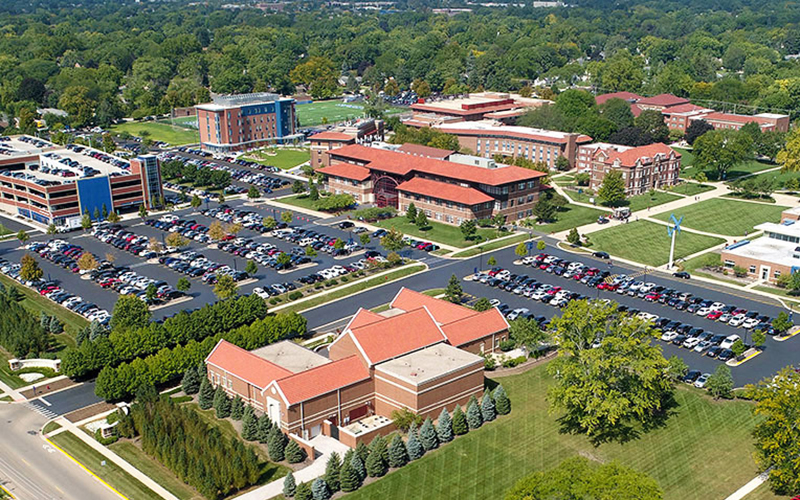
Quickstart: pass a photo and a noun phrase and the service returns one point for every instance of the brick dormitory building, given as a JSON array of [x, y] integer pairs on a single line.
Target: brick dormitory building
[[643, 168], [422, 354], [449, 190]]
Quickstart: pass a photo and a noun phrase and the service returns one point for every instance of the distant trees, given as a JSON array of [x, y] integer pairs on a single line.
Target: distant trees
[[718, 151], [695, 129]]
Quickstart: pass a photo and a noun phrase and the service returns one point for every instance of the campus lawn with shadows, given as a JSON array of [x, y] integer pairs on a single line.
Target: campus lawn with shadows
[[282, 158], [725, 216], [638, 202], [571, 216], [648, 242], [173, 134], [690, 188], [332, 111], [157, 472], [703, 452], [439, 232]]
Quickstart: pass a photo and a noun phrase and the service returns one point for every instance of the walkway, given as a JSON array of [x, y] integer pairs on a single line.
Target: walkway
[[14, 394], [748, 488]]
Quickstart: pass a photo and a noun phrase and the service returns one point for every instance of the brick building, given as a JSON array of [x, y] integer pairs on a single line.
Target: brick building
[[767, 121], [47, 183], [655, 166], [363, 131], [420, 355], [477, 106], [463, 187], [488, 138], [246, 121]]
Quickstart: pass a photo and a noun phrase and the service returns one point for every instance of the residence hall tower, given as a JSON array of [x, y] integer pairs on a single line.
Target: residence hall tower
[[422, 354], [450, 191], [246, 121], [47, 183]]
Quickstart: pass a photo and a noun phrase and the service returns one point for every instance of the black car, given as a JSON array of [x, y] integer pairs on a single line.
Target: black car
[[682, 274], [713, 352], [601, 255], [691, 376], [346, 224], [725, 355]]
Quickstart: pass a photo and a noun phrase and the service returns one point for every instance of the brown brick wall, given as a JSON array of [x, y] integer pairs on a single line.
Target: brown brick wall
[[489, 343], [361, 191], [568, 149], [730, 260]]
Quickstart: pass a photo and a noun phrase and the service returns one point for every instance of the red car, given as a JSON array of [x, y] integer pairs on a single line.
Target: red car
[[714, 315], [652, 297]]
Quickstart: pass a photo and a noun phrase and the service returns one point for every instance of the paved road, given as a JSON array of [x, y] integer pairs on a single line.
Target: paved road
[[33, 470]]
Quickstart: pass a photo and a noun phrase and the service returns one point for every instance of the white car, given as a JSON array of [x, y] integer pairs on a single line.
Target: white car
[[704, 311], [750, 323], [494, 302], [528, 260], [669, 336], [516, 313], [726, 317], [737, 320], [716, 306], [701, 380], [691, 342], [538, 295], [261, 292], [729, 341]]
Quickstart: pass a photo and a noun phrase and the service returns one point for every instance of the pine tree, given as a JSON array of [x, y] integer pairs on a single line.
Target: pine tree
[[249, 424], [320, 490], [55, 326], [411, 213], [219, 396], [264, 429], [444, 427], [276, 445], [359, 467], [237, 408], [459, 422], [348, 477], [190, 382], [223, 409], [427, 435], [474, 419], [398, 455], [362, 450], [376, 466], [332, 469], [488, 411], [206, 396], [44, 321], [413, 446], [501, 401], [289, 486], [294, 454], [83, 335], [303, 492], [379, 446]]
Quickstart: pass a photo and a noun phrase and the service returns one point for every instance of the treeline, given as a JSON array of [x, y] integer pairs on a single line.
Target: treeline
[[125, 344], [122, 381], [196, 452], [199, 177], [21, 333]]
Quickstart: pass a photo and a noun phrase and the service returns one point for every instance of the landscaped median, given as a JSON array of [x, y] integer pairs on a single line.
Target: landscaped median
[[492, 245]]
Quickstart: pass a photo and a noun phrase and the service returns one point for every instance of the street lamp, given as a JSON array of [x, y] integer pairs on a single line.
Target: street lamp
[[480, 261]]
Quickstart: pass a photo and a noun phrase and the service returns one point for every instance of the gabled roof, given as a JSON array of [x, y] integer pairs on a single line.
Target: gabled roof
[[397, 335], [363, 317], [625, 96], [684, 109], [629, 156], [745, 119], [321, 380], [475, 327], [445, 191], [347, 171], [426, 151], [665, 100], [245, 365], [442, 311]]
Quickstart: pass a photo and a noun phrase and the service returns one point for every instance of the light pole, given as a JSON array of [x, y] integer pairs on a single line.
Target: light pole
[[480, 259]]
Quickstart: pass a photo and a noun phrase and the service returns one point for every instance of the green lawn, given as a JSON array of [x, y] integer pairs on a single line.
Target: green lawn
[[171, 134], [298, 200], [690, 188], [704, 452], [687, 157], [571, 216], [438, 232], [332, 111], [187, 122], [763, 493], [781, 177], [638, 202], [35, 303], [50, 427], [154, 470], [648, 242], [725, 216], [110, 472], [493, 245], [744, 168], [282, 158]]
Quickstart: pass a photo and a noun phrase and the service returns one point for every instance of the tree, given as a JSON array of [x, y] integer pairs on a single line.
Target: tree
[[501, 401], [320, 489], [398, 456], [721, 150], [332, 471], [294, 454], [422, 220], [303, 492], [617, 111], [183, 284], [738, 348], [521, 250], [488, 410], [55, 326], [276, 444], [427, 435], [313, 192], [544, 210], [695, 129], [319, 75], [364, 239], [222, 404], [720, 383], [270, 223], [758, 339], [376, 464], [782, 323], [237, 408], [421, 87], [527, 333], [411, 213], [52, 229], [289, 485], [225, 287], [541, 245], [176, 240], [251, 268], [612, 189], [574, 237], [348, 477], [252, 193], [651, 122], [86, 220], [22, 236], [190, 382], [142, 212], [444, 427], [453, 292], [44, 321], [265, 429], [249, 424], [482, 304], [287, 217], [491, 262], [677, 367], [155, 246], [562, 163], [298, 187], [221, 198], [130, 313], [393, 240], [195, 202], [206, 396], [460, 426], [358, 461], [474, 418], [413, 445], [114, 217], [29, 268]]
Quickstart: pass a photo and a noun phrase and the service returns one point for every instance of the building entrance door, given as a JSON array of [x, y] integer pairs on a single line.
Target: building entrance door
[[764, 273], [274, 410]]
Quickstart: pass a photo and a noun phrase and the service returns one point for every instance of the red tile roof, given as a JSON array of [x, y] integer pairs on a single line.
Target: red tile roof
[[245, 365], [627, 96], [665, 100], [445, 191], [513, 131], [628, 157], [475, 327], [347, 171], [683, 108], [322, 379], [364, 317], [426, 151], [397, 335], [442, 311], [728, 117], [403, 164], [331, 136]]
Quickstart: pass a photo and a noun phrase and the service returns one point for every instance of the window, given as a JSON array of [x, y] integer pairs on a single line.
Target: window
[[776, 274], [729, 264]]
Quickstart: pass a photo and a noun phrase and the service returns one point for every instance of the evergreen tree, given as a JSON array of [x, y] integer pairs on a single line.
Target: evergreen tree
[[444, 427], [264, 429], [501, 401], [320, 490], [249, 424], [488, 411], [359, 467], [44, 321], [83, 335], [348, 477], [459, 422], [303, 492], [294, 454], [362, 450], [96, 330], [55, 326], [413, 446], [376, 466], [427, 435], [206, 396], [379, 446], [474, 419], [453, 292], [398, 455], [276, 445], [190, 382], [289, 486], [411, 213], [222, 403], [237, 408], [332, 470]]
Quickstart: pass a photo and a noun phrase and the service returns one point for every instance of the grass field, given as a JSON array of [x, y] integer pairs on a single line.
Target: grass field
[[171, 134], [187, 122], [781, 177], [648, 243], [333, 111], [638, 202], [438, 232], [110, 472], [281, 157], [703, 452], [725, 216], [571, 216], [687, 157], [763, 493], [157, 472], [690, 188], [493, 245]]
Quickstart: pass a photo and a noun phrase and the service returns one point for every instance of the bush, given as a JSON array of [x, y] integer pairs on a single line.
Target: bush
[[489, 363], [507, 345], [105, 441], [295, 295]]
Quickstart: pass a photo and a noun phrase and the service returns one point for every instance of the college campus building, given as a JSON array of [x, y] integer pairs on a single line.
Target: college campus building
[[362, 131], [499, 106], [655, 166], [47, 183], [450, 191], [246, 121], [422, 354], [488, 138], [776, 253]]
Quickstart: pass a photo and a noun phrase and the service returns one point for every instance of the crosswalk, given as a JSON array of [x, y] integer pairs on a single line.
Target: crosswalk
[[41, 410]]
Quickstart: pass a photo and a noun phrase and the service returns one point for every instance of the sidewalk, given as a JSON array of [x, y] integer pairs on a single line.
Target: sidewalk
[[748, 488], [13, 393]]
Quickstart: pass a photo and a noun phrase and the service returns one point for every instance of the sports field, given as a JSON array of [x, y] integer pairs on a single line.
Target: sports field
[[703, 452], [319, 112], [171, 134], [648, 242], [726, 216]]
